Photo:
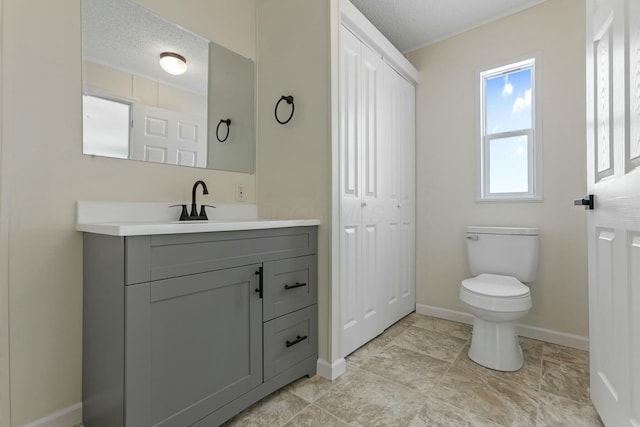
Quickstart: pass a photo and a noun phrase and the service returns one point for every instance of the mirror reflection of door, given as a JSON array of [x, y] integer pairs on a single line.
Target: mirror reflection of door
[[165, 136]]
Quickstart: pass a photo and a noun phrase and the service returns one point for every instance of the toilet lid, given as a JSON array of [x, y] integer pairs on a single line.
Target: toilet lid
[[496, 286]]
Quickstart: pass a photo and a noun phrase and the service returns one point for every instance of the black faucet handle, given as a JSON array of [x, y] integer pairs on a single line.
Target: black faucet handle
[[203, 212], [183, 214]]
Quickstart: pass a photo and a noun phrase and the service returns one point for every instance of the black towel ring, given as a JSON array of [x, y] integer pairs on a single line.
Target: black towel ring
[[228, 123], [289, 100]]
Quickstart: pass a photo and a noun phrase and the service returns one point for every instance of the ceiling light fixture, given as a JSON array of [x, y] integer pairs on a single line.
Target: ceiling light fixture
[[173, 63]]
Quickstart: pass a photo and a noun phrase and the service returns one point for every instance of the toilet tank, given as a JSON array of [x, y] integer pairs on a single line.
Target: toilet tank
[[509, 251]]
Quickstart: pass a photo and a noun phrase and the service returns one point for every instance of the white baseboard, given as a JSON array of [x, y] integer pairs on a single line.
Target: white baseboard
[[67, 417], [542, 334], [444, 313], [331, 371]]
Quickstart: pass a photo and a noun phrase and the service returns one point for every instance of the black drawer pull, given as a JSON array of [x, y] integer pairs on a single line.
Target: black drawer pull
[[297, 285], [296, 341]]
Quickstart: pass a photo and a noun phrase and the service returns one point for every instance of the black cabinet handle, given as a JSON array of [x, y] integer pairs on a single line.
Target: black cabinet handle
[[259, 290], [296, 341], [297, 285]]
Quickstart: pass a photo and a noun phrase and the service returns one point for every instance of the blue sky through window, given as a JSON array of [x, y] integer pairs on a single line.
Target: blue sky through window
[[508, 102], [509, 162], [508, 107]]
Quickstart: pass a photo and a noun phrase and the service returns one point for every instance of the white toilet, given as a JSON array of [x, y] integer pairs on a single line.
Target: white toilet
[[500, 259]]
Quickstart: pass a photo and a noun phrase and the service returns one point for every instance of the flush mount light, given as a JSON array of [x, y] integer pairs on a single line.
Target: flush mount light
[[173, 63]]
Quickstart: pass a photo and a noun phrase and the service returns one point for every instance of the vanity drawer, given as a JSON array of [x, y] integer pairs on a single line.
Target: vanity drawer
[[289, 340], [289, 285], [164, 256]]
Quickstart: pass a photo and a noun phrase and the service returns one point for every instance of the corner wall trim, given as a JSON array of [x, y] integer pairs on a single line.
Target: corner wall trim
[[67, 417], [331, 371], [534, 332]]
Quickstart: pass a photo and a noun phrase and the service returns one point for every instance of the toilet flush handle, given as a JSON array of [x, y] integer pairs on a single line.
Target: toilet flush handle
[[473, 237]]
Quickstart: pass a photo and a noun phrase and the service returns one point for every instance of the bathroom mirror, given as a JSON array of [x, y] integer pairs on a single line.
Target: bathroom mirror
[[134, 109]]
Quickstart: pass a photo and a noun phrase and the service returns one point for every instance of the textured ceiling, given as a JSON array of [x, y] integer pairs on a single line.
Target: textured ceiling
[[411, 24], [128, 37]]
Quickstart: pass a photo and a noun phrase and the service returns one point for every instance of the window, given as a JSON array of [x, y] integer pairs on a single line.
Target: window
[[105, 127], [510, 168]]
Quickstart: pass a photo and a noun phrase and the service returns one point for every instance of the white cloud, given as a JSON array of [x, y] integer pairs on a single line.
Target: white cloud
[[522, 103], [508, 87]]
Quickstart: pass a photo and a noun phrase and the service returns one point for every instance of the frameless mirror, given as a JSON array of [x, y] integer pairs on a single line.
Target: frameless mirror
[[134, 109]]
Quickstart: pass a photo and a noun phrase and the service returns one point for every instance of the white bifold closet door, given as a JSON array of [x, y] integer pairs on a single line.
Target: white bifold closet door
[[377, 255]]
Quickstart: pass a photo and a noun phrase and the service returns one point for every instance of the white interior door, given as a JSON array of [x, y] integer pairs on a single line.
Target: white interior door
[[165, 136], [613, 156]]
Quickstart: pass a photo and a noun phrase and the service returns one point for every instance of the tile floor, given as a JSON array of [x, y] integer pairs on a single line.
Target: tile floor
[[417, 373]]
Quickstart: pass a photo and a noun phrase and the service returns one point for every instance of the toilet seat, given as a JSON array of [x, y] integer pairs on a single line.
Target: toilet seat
[[495, 292], [496, 285]]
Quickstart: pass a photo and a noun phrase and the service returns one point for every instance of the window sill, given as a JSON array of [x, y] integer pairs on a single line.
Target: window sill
[[523, 199]]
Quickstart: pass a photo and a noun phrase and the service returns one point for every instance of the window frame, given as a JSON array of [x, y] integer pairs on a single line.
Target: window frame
[[534, 141]]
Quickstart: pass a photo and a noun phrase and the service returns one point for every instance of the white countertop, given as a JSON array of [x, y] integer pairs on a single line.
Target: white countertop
[[148, 228], [129, 219]]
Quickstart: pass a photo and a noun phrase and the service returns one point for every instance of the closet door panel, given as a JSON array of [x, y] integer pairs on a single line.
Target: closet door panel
[[350, 118], [407, 202], [350, 289], [372, 161], [392, 194], [350, 193]]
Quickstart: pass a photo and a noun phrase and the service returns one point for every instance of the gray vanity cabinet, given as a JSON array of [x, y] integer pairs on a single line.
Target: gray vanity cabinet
[[189, 329]]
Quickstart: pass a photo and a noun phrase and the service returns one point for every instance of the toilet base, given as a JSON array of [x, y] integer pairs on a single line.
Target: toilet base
[[495, 345]]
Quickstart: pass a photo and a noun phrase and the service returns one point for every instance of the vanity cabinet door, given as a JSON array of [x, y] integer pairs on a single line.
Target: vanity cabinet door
[[193, 344], [289, 284]]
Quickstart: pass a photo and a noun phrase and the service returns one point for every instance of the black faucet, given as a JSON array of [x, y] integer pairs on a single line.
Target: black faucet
[[194, 215], [194, 208]]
